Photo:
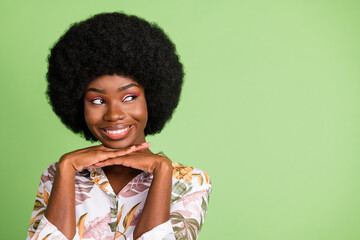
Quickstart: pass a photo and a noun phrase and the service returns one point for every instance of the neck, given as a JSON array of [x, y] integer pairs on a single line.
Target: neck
[[119, 169]]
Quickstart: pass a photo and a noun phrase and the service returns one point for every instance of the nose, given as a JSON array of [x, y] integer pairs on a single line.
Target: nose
[[114, 112]]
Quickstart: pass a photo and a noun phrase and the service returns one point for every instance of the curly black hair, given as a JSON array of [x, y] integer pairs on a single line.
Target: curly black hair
[[108, 44]]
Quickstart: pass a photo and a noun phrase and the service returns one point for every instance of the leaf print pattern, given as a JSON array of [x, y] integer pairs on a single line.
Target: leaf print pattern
[[192, 197], [81, 224], [136, 218], [41, 201], [47, 236], [82, 190], [96, 228], [119, 216], [32, 221], [207, 177], [189, 208], [187, 228], [38, 205], [50, 174], [129, 216], [179, 189], [45, 196], [101, 214], [182, 172], [137, 185], [126, 222]]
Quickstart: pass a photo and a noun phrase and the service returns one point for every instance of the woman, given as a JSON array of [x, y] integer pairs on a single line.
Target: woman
[[117, 78]]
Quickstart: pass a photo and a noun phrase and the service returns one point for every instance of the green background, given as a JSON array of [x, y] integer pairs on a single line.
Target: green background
[[269, 109]]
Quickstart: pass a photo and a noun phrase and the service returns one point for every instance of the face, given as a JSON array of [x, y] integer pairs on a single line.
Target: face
[[115, 111]]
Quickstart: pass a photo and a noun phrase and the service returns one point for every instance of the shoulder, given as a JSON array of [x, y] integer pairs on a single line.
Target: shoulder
[[193, 176], [190, 178], [49, 173], [190, 174]]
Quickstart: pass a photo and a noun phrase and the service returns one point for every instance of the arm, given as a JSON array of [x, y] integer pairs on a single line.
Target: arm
[[59, 220], [189, 197], [61, 208], [157, 206], [40, 227]]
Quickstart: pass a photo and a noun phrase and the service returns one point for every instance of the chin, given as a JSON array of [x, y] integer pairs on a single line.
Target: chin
[[116, 144], [120, 144]]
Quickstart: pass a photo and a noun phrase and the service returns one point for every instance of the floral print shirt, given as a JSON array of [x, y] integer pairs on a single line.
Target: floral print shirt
[[101, 214]]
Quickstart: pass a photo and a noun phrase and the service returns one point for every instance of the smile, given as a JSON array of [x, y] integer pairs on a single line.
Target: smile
[[116, 133]]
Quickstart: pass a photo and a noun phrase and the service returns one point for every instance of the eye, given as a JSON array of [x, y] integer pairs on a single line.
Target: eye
[[97, 101], [129, 98]]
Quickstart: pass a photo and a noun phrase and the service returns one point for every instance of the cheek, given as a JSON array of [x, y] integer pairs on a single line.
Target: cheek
[[90, 116], [140, 112]]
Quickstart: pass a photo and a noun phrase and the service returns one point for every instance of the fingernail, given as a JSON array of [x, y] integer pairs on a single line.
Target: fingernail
[[145, 143]]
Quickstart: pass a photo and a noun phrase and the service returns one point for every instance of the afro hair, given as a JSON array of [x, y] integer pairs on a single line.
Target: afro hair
[[108, 44]]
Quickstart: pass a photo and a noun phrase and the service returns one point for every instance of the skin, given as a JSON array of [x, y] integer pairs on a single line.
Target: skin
[[113, 102]]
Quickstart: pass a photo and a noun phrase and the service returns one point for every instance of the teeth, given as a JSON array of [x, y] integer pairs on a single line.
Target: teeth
[[117, 131]]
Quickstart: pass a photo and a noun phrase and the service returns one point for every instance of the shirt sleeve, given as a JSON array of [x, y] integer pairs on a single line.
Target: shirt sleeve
[[40, 228], [189, 203], [163, 231]]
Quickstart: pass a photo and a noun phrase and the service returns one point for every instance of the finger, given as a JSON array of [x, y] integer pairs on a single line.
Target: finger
[[104, 156], [145, 145], [117, 153], [142, 146], [102, 164], [132, 149], [91, 166], [129, 150], [114, 161]]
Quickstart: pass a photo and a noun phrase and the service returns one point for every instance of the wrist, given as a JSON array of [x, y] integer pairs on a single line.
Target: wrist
[[163, 166], [65, 167]]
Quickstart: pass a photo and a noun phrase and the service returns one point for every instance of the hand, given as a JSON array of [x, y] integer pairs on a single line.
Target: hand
[[142, 160], [88, 157]]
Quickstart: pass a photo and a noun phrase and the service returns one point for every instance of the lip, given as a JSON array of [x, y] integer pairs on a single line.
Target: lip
[[116, 132]]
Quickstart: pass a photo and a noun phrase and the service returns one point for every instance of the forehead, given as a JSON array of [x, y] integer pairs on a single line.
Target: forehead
[[111, 82]]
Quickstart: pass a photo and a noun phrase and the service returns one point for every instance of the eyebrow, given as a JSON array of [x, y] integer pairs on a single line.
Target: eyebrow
[[119, 89], [127, 86]]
